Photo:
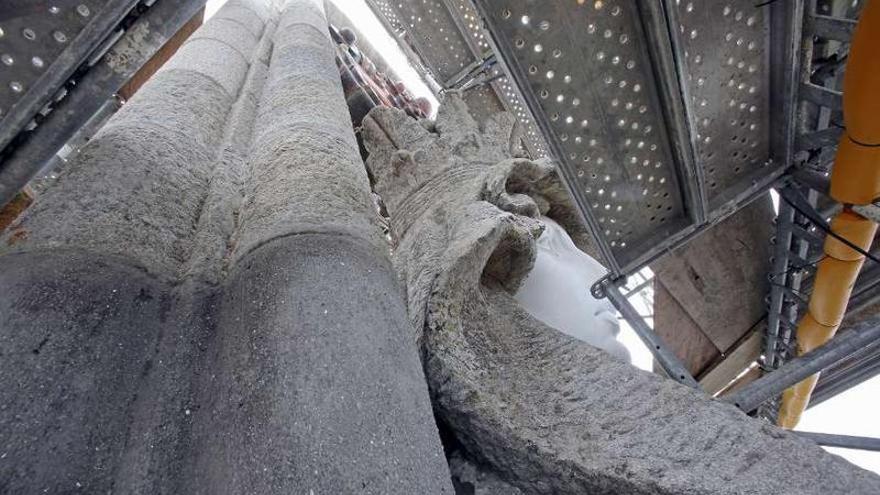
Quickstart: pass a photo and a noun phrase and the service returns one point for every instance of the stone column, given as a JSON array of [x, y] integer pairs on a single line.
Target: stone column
[[203, 303], [318, 385]]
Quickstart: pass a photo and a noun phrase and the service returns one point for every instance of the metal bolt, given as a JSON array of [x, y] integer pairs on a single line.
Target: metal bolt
[[83, 10], [38, 62], [16, 86], [59, 36], [29, 34], [7, 59]]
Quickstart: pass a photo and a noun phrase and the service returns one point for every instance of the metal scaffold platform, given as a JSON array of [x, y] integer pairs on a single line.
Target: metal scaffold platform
[[665, 117]]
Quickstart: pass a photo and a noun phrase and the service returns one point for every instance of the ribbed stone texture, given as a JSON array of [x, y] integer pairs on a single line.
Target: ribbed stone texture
[[203, 303]]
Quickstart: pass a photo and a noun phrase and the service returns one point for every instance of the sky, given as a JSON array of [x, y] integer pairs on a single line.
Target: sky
[[381, 39], [854, 412]]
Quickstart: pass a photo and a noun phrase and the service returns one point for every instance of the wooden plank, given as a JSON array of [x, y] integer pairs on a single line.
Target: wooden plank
[[15, 208], [734, 362], [681, 335], [720, 278], [750, 376]]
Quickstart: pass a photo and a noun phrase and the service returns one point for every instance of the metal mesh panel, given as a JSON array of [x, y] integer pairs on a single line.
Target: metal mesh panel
[[433, 33]]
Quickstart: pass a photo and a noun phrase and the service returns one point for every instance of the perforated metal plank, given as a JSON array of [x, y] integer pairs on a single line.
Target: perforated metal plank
[[590, 80], [433, 33], [80, 109], [458, 25], [508, 94], [722, 54], [41, 45], [706, 91]]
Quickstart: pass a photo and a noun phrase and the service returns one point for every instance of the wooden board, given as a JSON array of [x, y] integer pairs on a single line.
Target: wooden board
[[734, 362], [720, 278], [680, 333]]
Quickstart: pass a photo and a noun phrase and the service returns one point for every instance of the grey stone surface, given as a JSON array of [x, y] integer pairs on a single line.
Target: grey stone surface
[[229, 32], [320, 377], [249, 13], [316, 386], [100, 343], [548, 413], [305, 177], [203, 303], [78, 337], [227, 69], [423, 175], [471, 479], [136, 189]]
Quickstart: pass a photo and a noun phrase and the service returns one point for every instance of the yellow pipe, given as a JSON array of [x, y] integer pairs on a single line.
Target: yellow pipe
[[833, 285], [855, 179]]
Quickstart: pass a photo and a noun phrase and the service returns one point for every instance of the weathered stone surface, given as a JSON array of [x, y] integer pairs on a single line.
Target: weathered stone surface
[[316, 383], [317, 380], [470, 479], [550, 414], [102, 400], [204, 303], [78, 335], [424, 176]]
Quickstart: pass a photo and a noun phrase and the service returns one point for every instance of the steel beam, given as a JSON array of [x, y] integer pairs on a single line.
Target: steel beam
[[861, 336], [834, 28], [778, 278], [816, 181], [818, 139], [864, 364], [821, 96], [681, 124], [787, 68], [92, 90], [667, 359], [861, 366], [842, 441]]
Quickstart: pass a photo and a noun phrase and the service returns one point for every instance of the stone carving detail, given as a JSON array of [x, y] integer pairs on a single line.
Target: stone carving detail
[[544, 411]]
